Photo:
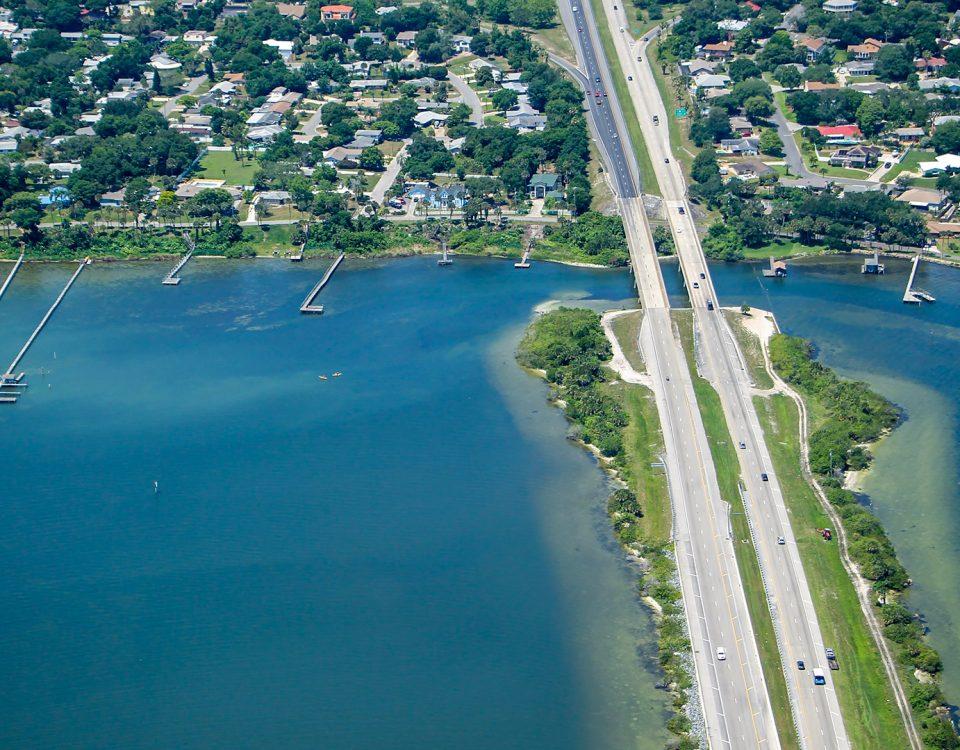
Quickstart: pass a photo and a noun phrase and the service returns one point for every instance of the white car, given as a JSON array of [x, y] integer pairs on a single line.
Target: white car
[[721, 653]]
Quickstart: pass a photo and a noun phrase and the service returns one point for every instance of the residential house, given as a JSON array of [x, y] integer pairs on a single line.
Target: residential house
[[525, 122], [406, 39], [813, 47], [871, 88], [935, 84], [718, 51], [369, 84], [930, 65], [732, 25], [542, 184], [865, 51], [377, 37], [923, 199], [908, 135], [856, 157], [944, 119], [342, 157], [840, 6], [199, 38], [749, 170], [741, 126], [264, 133], [704, 81], [191, 188], [113, 199], [942, 164], [429, 118], [820, 86], [373, 134], [859, 67], [164, 64], [691, 68], [461, 43], [272, 198], [292, 10], [62, 169], [336, 13], [442, 198], [840, 135], [385, 10], [740, 146], [284, 47]]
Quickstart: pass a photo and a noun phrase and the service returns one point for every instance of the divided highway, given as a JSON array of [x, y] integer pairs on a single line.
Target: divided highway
[[815, 708], [733, 693]]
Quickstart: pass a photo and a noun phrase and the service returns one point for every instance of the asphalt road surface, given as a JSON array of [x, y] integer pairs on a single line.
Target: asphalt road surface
[[736, 706], [815, 708]]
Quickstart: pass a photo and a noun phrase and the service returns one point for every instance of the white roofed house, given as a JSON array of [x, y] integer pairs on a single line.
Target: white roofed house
[[429, 118], [164, 64], [284, 47], [840, 6], [940, 165]]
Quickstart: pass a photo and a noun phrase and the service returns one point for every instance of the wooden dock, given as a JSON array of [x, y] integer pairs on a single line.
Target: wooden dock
[[172, 279], [913, 296], [9, 380], [13, 272], [524, 261], [308, 307], [298, 257]]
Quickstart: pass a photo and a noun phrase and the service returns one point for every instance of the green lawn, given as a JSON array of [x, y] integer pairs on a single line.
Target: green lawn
[[647, 176], [222, 165], [554, 39], [780, 97], [909, 163], [727, 464], [870, 714], [783, 248], [680, 144], [268, 239]]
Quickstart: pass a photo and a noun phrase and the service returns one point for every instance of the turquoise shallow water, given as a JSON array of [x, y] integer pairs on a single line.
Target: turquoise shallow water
[[407, 556], [910, 354]]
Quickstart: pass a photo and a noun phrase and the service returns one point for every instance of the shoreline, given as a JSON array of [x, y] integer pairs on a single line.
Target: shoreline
[[870, 605], [166, 257]]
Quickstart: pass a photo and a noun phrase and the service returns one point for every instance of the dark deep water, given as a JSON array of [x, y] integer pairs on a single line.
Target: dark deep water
[[407, 556]]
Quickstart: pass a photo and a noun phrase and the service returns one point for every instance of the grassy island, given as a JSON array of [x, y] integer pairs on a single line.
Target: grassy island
[[618, 421]]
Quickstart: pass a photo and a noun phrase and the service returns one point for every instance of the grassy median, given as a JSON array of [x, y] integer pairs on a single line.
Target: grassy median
[[727, 466]]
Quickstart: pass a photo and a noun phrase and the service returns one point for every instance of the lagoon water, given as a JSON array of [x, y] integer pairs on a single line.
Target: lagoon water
[[910, 354], [407, 556]]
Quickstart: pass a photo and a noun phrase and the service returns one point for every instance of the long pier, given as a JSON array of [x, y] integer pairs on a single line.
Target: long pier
[[308, 307], [13, 272], [10, 379], [172, 279], [915, 296]]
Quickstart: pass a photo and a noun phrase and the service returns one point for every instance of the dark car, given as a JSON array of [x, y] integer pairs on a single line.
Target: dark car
[[764, 477], [800, 665], [703, 275]]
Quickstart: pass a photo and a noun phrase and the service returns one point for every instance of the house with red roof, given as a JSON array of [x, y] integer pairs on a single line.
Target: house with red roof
[[840, 135], [930, 65], [336, 13], [718, 51]]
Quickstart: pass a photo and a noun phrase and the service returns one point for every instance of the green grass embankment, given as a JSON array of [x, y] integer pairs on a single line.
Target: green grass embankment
[[727, 466], [620, 421]]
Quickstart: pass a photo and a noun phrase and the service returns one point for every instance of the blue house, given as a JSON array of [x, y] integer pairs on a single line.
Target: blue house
[[451, 196]]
